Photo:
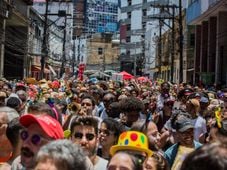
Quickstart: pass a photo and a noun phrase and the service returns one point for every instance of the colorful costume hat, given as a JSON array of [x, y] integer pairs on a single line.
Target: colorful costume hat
[[132, 140]]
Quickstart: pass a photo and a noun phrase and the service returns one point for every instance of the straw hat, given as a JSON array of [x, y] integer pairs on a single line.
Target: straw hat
[[31, 80]]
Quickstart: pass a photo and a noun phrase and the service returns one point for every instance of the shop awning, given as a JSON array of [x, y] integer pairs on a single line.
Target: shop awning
[[38, 69]]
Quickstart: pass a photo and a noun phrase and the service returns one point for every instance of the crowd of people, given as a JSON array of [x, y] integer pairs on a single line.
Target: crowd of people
[[107, 125]]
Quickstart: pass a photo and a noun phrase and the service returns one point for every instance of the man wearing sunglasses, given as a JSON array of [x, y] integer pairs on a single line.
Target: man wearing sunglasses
[[84, 131], [38, 131]]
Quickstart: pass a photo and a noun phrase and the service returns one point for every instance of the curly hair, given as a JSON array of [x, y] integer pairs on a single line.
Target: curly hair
[[131, 104]]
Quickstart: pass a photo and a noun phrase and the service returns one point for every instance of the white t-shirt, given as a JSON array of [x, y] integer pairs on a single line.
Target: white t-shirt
[[101, 164], [199, 127]]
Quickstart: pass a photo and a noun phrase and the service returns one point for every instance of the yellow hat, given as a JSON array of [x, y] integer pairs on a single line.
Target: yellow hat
[[132, 140]]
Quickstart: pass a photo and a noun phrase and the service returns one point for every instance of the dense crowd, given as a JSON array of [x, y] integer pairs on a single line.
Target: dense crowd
[[107, 125]]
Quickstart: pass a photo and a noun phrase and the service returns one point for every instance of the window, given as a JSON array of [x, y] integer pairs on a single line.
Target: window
[[128, 39], [100, 51], [144, 12], [128, 27], [191, 2], [144, 25], [129, 2], [37, 31], [129, 14], [192, 40]]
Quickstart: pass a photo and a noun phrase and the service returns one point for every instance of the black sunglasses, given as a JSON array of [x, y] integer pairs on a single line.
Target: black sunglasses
[[89, 136], [35, 138]]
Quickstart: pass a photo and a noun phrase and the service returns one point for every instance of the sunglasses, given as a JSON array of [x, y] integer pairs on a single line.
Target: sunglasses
[[89, 136], [35, 138], [106, 132]]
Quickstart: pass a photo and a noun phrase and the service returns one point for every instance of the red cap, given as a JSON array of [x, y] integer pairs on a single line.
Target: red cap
[[49, 125]]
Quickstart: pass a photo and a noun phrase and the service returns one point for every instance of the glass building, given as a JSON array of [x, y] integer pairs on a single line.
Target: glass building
[[101, 16]]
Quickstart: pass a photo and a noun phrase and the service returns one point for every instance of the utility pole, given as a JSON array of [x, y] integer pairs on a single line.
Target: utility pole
[[2, 45], [74, 57], [78, 51], [170, 16], [173, 45], [134, 63], [160, 48], [44, 43], [181, 42], [63, 49]]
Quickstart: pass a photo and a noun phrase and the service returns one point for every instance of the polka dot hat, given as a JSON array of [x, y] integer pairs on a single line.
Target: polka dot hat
[[132, 140]]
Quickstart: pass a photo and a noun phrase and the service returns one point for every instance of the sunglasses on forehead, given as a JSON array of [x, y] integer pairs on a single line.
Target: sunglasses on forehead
[[35, 139], [89, 136]]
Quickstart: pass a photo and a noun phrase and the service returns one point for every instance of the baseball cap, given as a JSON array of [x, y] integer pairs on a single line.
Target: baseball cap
[[48, 124], [187, 91], [204, 99], [183, 124]]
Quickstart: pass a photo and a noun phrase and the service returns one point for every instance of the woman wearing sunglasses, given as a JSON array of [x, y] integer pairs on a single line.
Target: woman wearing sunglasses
[[109, 132]]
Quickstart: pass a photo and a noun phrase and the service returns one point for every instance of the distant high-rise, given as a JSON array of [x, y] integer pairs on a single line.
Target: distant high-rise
[[95, 16]]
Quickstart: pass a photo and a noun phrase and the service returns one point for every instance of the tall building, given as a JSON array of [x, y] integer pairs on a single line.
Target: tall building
[[96, 16], [92, 19], [137, 32]]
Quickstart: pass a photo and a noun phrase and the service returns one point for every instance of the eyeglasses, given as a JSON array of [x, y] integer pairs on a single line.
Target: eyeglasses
[[89, 136], [35, 138], [106, 132]]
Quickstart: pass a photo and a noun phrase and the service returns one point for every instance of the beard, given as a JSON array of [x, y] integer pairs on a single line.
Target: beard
[[27, 157], [90, 151]]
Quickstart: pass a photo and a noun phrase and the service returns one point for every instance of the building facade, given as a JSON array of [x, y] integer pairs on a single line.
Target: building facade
[[103, 53], [14, 26], [209, 19], [138, 33], [60, 33], [92, 19]]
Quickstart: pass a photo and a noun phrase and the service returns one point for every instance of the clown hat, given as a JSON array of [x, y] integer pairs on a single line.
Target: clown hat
[[132, 140]]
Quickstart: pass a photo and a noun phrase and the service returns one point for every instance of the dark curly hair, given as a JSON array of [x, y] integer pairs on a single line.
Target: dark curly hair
[[131, 104]]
